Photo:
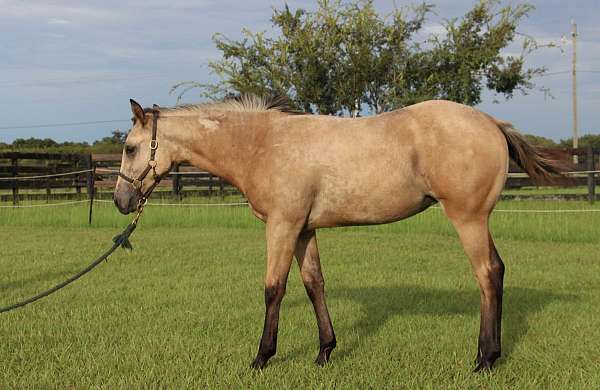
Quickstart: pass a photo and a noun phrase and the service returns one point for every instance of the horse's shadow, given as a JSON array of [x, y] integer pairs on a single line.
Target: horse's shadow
[[380, 303]]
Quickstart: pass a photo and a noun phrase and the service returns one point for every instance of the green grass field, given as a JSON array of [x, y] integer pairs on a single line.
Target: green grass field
[[185, 308]]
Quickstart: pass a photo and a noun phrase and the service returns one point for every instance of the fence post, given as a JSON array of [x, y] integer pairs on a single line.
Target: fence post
[[591, 182], [48, 182], [176, 182], [15, 182], [91, 178]]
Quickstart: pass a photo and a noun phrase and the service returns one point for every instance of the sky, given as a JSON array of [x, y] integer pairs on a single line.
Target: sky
[[69, 61]]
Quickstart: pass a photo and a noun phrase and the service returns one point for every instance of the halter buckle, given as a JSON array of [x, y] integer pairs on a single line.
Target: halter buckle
[[153, 144], [141, 203], [137, 184]]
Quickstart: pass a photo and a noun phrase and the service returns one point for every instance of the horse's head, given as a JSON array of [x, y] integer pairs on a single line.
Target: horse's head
[[147, 156]]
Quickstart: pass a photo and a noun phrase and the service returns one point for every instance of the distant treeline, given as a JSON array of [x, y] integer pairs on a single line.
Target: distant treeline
[[112, 144], [584, 141]]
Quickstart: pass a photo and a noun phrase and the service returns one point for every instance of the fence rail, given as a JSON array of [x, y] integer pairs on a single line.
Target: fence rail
[[43, 174]]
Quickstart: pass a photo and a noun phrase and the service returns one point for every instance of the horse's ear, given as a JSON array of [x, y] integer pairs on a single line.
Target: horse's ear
[[138, 111]]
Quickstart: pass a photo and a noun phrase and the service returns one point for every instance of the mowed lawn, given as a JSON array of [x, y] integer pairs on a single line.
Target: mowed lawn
[[185, 308]]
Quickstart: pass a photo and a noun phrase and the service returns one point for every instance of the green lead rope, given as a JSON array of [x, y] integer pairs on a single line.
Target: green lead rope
[[120, 240]]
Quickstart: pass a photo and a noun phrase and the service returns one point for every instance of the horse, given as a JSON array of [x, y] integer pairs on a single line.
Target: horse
[[301, 172]]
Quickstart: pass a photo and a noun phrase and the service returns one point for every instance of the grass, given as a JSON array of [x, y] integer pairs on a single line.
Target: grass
[[185, 308]]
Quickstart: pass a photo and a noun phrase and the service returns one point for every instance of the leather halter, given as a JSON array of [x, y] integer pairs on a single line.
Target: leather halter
[[137, 183]]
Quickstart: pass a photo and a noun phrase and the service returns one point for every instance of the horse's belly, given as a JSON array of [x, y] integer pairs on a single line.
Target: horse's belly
[[367, 206]]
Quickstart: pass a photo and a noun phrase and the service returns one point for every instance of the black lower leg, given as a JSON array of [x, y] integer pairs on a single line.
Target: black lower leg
[[327, 341], [489, 345], [268, 341]]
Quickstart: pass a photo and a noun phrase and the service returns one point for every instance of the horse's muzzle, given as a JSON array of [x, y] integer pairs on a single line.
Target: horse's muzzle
[[126, 199]]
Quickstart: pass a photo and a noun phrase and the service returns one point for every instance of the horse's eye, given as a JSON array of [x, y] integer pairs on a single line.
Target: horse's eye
[[129, 149]]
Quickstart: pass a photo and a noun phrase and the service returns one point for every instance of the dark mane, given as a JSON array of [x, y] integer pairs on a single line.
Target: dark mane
[[238, 103]]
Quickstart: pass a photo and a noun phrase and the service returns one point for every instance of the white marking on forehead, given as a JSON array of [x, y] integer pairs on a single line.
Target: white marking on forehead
[[208, 124]]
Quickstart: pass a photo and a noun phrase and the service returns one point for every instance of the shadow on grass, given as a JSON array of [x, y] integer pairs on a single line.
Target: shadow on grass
[[381, 303]]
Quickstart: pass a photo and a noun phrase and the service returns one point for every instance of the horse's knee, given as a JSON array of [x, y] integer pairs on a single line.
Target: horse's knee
[[274, 294]]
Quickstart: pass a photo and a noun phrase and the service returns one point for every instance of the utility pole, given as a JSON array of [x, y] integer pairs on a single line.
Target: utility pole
[[575, 130]]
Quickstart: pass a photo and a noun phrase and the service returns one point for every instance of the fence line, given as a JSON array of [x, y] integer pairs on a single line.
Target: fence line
[[185, 204], [44, 205], [13, 178], [558, 211], [115, 172], [571, 173], [555, 211]]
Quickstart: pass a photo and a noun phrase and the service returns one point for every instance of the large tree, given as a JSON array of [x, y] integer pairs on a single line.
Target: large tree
[[345, 57]]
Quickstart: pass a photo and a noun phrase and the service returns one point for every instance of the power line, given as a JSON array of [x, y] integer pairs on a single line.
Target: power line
[[553, 73], [569, 72], [47, 82], [65, 124]]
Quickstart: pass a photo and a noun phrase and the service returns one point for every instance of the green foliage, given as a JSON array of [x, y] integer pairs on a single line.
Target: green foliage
[[541, 141], [584, 141], [469, 55], [33, 143], [345, 57], [112, 144]]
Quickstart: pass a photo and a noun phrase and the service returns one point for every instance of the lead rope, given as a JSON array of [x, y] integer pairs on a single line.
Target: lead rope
[[120, 240]]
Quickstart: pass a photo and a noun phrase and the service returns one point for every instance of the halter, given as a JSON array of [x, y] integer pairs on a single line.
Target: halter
[[137, 183]]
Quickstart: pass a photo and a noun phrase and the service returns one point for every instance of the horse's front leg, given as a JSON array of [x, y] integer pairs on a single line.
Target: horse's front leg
[[281, 241]]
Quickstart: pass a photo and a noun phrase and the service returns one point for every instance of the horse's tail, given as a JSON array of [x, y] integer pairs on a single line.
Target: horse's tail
[[541, 167]]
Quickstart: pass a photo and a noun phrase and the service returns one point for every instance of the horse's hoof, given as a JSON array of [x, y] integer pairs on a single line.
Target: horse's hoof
[[483, 367], [323, 357], [486, 364], [258, 364]]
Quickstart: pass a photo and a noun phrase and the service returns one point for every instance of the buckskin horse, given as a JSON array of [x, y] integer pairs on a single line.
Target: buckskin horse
[[304, 172]]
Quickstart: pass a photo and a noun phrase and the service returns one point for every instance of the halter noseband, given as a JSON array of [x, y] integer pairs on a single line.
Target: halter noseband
[[137, 183]]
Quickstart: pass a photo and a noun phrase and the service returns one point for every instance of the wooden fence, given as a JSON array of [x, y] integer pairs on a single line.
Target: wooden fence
[[47, 176], [184, 179], [50, 176]]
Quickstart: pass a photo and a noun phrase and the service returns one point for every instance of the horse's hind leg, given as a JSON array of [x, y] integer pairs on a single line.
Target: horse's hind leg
[[489, 270], [307, 254]]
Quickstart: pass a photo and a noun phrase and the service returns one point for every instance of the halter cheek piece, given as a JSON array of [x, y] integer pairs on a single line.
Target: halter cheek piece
[[137, 183]]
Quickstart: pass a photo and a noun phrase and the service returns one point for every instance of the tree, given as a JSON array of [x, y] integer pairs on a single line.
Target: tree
[[33, 143], [584, 141], [112, 144], [117, 138], [345, 57], [541, 141]]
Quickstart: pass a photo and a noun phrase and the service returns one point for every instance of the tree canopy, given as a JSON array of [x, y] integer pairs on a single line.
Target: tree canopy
[[112, 144], [344, 57], [584, 141]]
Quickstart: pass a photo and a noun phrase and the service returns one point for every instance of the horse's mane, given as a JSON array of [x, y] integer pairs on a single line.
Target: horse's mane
[[239, 103]]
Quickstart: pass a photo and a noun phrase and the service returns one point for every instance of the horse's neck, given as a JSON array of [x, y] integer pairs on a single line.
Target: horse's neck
[[228, 149]]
